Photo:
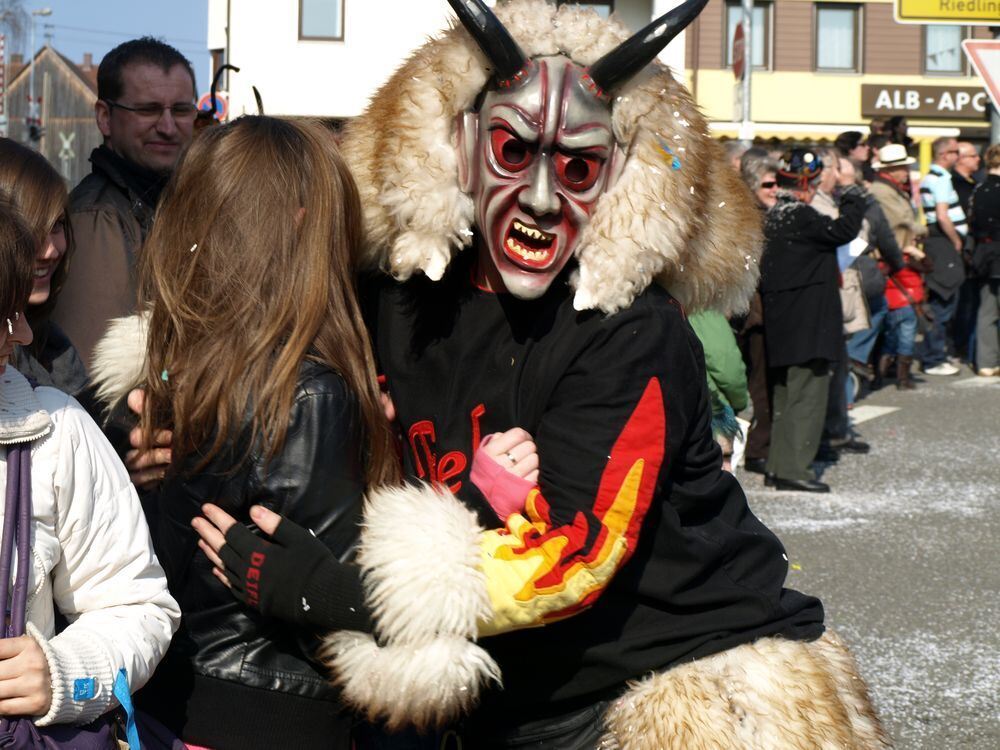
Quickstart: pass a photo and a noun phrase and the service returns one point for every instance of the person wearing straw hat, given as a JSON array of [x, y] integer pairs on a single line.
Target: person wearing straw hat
[[904, 289]]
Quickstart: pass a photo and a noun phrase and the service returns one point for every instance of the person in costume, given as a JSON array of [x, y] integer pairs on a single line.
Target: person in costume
[[628, 602]]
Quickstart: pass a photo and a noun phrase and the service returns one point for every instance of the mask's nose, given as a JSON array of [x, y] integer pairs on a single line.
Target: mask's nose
[[540, 198]]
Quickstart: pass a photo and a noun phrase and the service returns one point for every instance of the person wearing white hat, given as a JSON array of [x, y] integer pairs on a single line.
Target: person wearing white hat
[[891, 188]]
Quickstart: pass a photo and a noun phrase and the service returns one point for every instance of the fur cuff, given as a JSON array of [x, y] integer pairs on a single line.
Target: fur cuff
[[119, 359], [423, 685], [420, 554], [421, 559]]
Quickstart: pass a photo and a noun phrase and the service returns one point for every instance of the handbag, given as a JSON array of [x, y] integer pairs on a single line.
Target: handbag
[[20, 733], [853, 302]]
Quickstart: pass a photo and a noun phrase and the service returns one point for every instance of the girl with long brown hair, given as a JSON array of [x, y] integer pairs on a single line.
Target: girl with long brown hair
[[258, 361], [30, 184]]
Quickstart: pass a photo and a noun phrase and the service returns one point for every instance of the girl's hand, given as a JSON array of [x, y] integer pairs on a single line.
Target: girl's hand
[[146, 469], [25, 682], [515, 451]]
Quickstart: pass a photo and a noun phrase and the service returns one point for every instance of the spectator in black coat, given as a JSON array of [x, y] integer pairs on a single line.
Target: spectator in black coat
[[803, 321], [985, 228]]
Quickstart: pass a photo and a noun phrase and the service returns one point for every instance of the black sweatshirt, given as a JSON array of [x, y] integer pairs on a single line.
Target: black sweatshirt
[[645, 551]]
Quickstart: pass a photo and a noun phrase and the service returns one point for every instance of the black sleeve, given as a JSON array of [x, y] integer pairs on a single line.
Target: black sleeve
[[607, 441], [831, 233], [316, 480]]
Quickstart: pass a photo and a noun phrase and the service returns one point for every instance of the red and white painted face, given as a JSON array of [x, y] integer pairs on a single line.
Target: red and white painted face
[[544, 153]]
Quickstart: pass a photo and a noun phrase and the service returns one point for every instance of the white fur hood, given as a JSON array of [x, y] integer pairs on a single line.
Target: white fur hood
[[678, 214]]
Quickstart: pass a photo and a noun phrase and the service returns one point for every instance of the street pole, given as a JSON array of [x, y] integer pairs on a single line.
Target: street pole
[[746, 126], [994, 114], [33, 109]]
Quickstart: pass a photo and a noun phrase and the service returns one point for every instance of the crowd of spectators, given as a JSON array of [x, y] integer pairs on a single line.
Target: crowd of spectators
[[869, 270]]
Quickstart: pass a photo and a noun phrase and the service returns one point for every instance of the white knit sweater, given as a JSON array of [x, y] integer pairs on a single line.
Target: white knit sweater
[[91, 555]]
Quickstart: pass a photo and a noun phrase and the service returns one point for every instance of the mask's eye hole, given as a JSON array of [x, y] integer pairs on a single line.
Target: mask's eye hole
[[511, 152], [576, 171]]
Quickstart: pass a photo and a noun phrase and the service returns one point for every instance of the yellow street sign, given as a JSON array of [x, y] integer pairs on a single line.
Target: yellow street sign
[[948, 11]]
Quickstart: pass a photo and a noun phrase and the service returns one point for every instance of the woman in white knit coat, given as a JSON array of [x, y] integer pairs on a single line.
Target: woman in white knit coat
[[91, 559]]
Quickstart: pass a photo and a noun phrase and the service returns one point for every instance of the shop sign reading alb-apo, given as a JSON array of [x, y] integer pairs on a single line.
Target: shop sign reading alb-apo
[[951, 102]]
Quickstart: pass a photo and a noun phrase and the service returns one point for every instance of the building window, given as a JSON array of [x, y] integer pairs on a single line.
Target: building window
[[604, 9], [837, 28], [321, 19], [943, 49], [761, 30]]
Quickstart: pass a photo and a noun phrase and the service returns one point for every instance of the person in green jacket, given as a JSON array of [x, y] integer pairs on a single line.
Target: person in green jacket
[[727, 377]]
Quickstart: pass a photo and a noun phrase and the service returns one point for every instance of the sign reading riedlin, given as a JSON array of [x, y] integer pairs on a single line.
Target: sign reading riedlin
[[951, 102], [948, 11]]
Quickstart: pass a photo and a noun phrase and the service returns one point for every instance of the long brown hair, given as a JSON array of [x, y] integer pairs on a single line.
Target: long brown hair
[[38, 192], [248, 270]]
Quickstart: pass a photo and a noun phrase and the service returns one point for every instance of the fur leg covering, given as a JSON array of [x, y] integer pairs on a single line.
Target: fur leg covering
[[420, 554], [774, 694]]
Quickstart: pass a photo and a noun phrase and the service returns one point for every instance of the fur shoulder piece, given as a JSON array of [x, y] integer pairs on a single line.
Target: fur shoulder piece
[[119, 359], [678, 214]]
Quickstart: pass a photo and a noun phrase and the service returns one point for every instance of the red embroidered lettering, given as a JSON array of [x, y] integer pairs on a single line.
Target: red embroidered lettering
[[422, 437], [478, 411], [450, 466], [253, 575]]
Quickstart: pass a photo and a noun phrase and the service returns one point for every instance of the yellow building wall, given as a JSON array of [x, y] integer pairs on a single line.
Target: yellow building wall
[[810, 98]]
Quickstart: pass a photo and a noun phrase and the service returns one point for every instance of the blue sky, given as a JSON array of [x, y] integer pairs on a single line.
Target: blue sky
[[96, 26]]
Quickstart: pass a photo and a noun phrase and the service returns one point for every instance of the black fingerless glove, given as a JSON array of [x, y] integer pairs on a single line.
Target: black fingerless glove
[[295, 577]]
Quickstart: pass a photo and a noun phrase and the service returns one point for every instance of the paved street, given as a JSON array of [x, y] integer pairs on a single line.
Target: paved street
[[904, 554]]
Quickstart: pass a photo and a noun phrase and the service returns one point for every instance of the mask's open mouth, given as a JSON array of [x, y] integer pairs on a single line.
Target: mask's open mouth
[[528, 246]]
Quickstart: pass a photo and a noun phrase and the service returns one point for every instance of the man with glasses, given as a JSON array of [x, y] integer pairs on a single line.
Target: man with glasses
[[145, 110], [946, 230], [965, 176]]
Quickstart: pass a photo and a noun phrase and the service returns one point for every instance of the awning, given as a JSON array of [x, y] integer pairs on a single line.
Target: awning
[[813, 132]]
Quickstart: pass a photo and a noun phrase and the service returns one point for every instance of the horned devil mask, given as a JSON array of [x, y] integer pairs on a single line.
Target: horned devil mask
[[547, 132], [540, 149]]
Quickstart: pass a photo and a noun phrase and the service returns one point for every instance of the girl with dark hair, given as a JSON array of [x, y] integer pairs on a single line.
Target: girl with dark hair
[[30, 184]]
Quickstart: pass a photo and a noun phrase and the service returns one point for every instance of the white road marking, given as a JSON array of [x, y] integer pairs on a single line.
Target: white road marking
[[977, 381], [866, 412]]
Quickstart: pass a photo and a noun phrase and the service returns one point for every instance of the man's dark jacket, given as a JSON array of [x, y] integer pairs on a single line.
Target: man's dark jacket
[[800, 279], [110, 213]]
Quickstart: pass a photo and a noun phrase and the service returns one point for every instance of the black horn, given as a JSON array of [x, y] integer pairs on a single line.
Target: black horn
[[215, 83], [492, 37], [638, 51]]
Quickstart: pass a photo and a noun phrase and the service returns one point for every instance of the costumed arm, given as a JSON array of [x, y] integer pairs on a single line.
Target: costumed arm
[[606, 445]]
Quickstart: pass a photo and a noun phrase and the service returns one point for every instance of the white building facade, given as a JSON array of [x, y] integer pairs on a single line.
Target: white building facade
[[325, 58]]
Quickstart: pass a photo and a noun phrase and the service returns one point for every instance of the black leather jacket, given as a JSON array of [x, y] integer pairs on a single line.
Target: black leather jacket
[[233, 678]]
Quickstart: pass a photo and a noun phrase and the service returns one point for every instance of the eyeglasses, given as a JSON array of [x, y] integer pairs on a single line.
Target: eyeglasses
[[180, 111], [769, 184]]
